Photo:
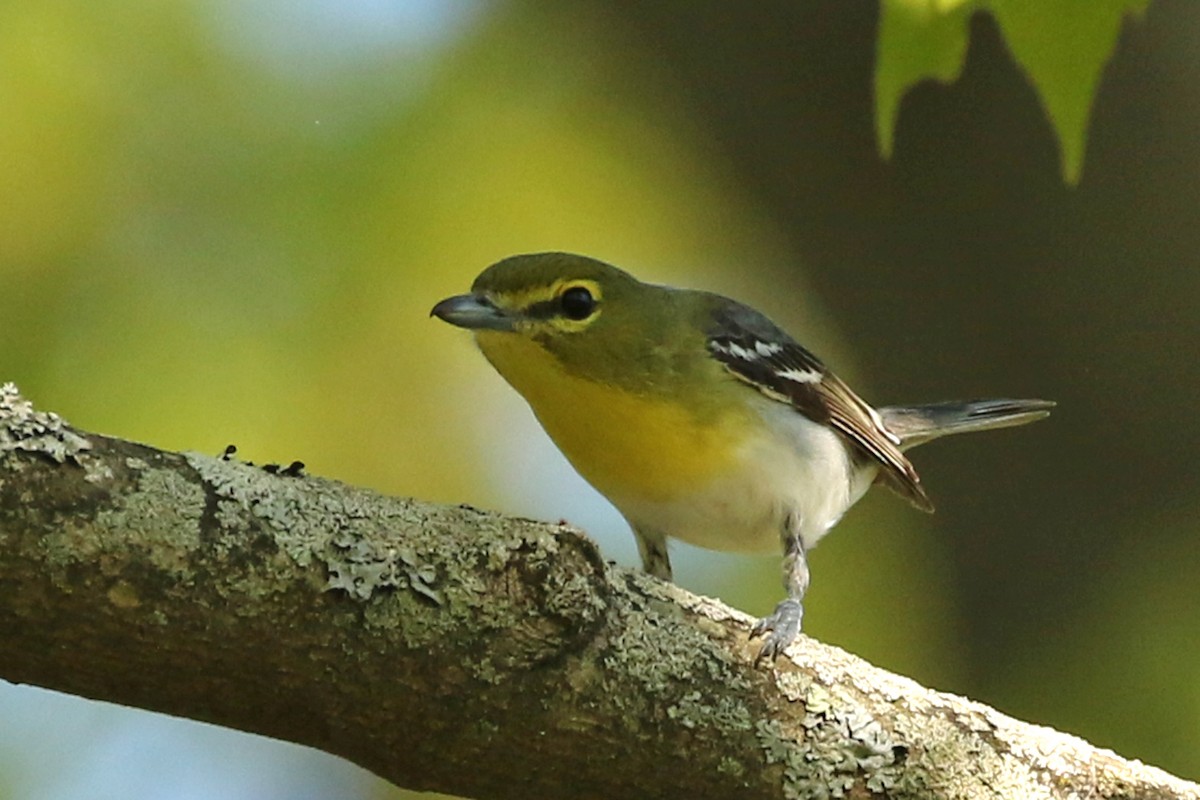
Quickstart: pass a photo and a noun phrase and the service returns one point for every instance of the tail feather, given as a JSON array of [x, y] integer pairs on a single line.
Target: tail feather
[[919, 424]]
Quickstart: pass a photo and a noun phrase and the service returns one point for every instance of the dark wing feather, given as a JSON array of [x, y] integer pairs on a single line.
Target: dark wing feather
[[757, 351]]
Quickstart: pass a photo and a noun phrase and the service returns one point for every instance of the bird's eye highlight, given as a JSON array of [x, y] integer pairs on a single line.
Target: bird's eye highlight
[[577, 303]]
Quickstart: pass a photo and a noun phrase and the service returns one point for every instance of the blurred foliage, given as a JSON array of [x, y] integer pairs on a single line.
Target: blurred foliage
[[1062, 45], [1134, 652], [226, 222]]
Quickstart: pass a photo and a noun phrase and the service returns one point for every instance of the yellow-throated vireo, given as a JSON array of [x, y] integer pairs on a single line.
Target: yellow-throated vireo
[[698, 417]]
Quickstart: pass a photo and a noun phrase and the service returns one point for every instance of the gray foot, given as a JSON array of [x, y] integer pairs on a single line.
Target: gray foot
[[781, 627]]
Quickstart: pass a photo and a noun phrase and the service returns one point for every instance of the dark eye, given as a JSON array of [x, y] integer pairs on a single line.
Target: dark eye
[[577, 303]]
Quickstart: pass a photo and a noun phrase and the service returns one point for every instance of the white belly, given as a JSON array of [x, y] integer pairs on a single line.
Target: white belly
[[800, 473]]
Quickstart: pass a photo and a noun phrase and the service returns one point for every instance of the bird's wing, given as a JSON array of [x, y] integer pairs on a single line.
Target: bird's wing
[[758, 352]]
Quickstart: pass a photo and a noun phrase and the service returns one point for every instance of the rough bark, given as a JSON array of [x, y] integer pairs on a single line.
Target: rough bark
[[450, 649]]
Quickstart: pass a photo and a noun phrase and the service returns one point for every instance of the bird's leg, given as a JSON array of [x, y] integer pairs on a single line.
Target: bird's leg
[[653, 548], [783, 624]]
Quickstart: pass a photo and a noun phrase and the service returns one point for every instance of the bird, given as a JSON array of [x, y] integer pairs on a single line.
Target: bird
[[697, 417]]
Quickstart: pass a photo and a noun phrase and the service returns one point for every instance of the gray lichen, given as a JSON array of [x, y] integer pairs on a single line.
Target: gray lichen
[[26, 429], [368, 565], [865, 729], [363, 543], [296, 516], [676, 673], [159, 517]]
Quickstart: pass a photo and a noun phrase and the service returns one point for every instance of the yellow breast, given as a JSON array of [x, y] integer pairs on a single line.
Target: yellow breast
[[626, 445]]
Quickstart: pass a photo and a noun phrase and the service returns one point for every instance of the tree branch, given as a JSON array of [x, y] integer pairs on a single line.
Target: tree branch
[[450, 649]]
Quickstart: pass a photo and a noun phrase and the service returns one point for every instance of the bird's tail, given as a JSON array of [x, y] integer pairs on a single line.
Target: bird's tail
[[919, 424]]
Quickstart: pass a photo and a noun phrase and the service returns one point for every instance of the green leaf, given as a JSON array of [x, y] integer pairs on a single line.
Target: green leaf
[[1062, 45], [918, 39]]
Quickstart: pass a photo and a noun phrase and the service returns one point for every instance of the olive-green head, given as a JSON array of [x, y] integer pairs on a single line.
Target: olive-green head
[[594, 318], [539, 293]]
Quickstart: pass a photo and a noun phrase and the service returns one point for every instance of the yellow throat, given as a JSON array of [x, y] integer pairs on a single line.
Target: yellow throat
[[607, 433]]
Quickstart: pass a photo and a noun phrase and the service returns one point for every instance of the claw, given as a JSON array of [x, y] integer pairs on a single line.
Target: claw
[[781, 627]]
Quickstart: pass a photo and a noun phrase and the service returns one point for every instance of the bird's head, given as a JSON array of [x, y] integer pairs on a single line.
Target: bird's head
[[539, 295], [593, 318]]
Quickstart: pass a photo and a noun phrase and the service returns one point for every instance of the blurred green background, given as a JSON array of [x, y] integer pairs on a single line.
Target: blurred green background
[[226, 221]]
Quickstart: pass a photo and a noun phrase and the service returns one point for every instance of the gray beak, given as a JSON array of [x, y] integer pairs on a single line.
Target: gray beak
[[473, 311]]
